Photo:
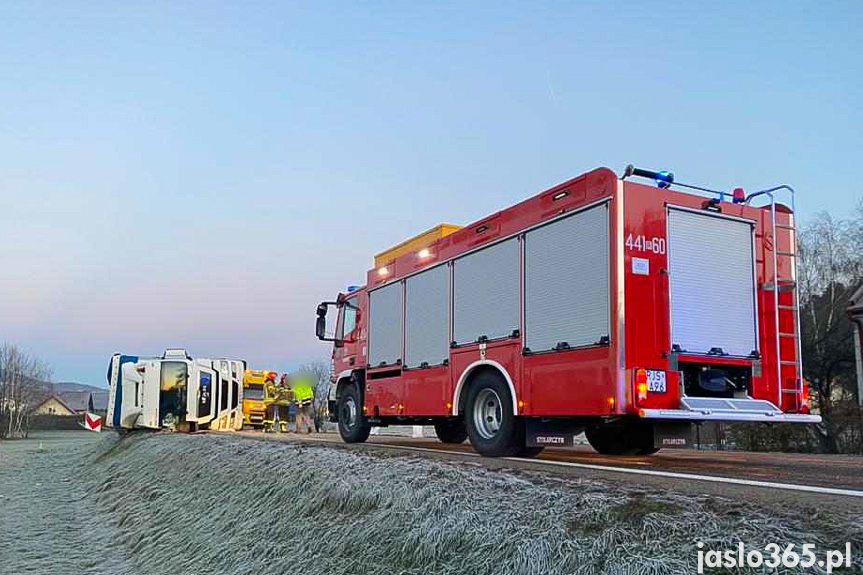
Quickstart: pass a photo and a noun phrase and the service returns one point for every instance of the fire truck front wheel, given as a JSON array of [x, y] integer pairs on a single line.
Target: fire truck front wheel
[[493, 429], [353, 426]]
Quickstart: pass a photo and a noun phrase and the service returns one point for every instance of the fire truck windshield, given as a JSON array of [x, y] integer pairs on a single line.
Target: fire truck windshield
[[349, 318]]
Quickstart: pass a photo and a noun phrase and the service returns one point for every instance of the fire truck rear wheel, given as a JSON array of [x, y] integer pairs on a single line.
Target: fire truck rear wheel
[[609, 440], [493, 429], [639, 436], [353, 426], [451, 430], [530, 451]]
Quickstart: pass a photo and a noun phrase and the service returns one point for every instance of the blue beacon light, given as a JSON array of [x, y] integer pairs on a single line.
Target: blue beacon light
[[664, 179]]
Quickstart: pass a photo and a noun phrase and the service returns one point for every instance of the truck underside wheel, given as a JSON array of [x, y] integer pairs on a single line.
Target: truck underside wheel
[[609, 440], [451, 430], [493, 429], [530, 451], [621, 439], [640, 438], [353, 426]]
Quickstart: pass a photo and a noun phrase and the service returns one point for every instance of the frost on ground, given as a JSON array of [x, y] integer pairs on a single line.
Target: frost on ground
[[179, 504]]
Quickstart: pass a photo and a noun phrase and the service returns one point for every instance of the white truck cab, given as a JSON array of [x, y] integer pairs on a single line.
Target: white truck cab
[[174, 392]]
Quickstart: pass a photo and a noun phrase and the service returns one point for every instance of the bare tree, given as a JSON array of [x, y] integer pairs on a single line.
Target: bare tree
[[22, 380], [831, 267]]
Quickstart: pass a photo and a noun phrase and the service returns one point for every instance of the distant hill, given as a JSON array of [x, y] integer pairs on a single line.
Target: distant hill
[[64, 386]]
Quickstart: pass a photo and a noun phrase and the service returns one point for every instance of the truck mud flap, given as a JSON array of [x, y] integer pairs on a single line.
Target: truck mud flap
[[672, 434], [551, 433]]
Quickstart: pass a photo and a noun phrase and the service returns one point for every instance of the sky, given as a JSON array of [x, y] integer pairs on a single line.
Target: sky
[[202, 174]]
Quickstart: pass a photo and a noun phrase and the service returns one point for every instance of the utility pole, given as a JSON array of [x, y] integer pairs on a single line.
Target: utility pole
[[855, 314], [858, 347]]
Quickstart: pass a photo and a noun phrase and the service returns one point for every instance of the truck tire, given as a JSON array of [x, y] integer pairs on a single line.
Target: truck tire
[[629, 439], [493, 429], [609, 440], [450, 430], [353, 425], [530, 451], [639, 434]]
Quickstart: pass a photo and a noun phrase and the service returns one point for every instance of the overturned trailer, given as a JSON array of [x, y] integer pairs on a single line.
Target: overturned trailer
[[175, 392]]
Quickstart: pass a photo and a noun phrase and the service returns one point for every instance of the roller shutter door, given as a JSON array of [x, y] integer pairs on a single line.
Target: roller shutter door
[[426, 317], [385, 325], [566, 281], [485, 293], [711, 281]]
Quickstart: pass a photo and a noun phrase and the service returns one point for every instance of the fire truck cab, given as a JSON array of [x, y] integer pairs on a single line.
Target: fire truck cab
[[622, 309]]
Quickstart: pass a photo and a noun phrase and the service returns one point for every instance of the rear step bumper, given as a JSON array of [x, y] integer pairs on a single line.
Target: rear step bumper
[[709, 415], [727, 409]]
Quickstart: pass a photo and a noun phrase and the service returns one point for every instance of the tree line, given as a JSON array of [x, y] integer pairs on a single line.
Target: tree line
[[830, 270], [23, 380]]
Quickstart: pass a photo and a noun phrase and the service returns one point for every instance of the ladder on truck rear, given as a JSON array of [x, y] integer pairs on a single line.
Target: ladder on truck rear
[[786, 300]]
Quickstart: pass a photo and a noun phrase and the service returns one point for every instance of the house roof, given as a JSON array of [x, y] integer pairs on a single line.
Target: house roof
[[100, 401], [77, 400], [855, 303], [38, 397], [56, 398]]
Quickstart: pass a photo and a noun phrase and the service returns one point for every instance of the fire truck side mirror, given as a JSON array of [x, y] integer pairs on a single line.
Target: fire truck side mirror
[[321, 323]]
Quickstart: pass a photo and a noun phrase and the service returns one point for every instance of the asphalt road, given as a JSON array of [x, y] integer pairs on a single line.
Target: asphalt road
[[845, 472], [770, 478]]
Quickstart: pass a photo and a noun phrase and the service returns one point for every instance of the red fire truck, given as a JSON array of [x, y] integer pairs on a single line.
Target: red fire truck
[[621, 309]]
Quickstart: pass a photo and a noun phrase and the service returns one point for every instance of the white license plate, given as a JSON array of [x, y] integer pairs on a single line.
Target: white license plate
[[656, 381]]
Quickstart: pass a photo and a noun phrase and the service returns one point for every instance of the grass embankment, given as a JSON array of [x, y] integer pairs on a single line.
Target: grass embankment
[[219, 504]]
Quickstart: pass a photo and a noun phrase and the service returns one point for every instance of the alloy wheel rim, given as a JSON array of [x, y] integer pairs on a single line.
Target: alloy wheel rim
[[349, 412], [487, 413]]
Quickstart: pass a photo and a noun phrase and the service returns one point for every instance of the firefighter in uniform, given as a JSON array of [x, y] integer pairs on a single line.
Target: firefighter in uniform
[[278, 399], [288, 407]]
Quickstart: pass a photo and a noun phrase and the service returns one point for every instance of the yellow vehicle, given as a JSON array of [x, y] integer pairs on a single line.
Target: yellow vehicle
[[255, 396]]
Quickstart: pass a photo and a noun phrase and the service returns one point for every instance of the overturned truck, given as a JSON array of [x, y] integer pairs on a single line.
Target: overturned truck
[[174, 392]]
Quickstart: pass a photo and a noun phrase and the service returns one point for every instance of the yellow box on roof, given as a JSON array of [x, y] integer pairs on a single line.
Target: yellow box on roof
[[415, 243]]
